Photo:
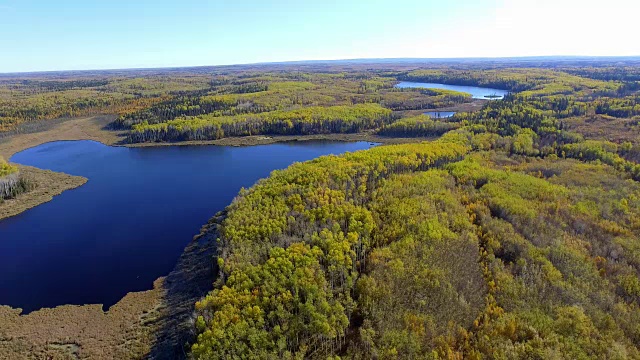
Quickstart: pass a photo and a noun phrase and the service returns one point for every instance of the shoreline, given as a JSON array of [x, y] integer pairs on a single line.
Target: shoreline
[[255, 140], [16, 143], [151, 323], [48, 185], [96, 128], [84, 128], [154, 323], [51, 183]]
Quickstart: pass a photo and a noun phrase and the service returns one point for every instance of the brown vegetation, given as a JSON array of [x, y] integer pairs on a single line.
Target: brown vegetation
[[46, 184], [148, 324], [86, 128]]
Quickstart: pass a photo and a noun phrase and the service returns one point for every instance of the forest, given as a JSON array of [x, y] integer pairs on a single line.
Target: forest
[[429, 250], [507, 231], [511, 237], [275, 105]]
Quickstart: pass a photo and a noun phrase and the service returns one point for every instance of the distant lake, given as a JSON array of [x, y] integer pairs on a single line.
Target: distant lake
[[131, 221], [476, 92], [439, 114]]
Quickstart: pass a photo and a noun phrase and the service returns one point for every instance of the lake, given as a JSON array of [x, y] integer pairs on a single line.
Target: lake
[[439, 114], [476, 92], [130, 222]]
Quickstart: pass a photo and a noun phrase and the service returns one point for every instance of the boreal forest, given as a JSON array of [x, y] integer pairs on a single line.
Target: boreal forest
[[510, 230]]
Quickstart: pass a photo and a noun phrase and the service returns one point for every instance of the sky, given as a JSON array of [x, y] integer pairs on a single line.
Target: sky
[[44, 35]]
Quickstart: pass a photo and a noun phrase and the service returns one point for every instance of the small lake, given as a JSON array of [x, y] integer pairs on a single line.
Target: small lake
[[130, 222], [440, 114], [476, 92]]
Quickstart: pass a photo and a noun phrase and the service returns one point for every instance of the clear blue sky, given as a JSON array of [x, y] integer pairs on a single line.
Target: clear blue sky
[[95, 34]]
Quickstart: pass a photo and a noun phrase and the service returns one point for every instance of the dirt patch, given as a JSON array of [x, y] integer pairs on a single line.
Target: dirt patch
[[154, 324], [47, 185]]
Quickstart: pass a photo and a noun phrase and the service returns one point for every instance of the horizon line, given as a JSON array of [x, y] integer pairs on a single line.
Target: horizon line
[[345, 60]]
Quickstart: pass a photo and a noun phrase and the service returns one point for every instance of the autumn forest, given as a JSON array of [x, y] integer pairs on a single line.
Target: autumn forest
[[509, 230]]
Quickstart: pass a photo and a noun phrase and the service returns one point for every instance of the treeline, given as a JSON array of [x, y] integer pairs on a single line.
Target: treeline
[[529, 82], [418, 126], [193, 103], [171, 109], [605, 152], [505, 117], [421, 99], [38, 99], [618, 73], [304, 121], [60, 85], [469, 78], [621, 108]]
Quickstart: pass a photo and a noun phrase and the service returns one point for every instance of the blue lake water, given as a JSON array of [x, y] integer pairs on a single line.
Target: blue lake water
[[130, 222], [476, 92], [440, 114]]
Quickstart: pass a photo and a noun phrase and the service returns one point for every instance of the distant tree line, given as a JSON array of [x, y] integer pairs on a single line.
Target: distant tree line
[[305, 121]]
